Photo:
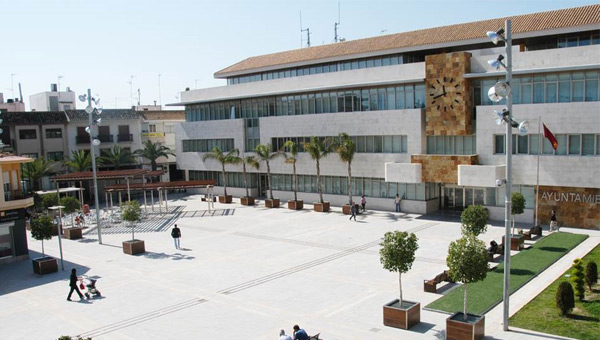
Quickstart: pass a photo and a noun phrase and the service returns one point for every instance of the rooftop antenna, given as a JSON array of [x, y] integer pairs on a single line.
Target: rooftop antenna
[[139, 97], [307, 30], [335, 25], [130, 82], [20, 93]]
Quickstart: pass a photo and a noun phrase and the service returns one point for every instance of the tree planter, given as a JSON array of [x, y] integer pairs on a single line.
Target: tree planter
[[225, 199], [404, 317], [54, 229], [274, 203], [204, 199], [72, 233], [321, 207], [347, 209], [295, 205], [45, 265], [458, 329], [517, 242], [247, 200], [134, 247]]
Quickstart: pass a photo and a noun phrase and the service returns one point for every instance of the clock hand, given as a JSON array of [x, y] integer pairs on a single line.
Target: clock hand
[[440, 95]]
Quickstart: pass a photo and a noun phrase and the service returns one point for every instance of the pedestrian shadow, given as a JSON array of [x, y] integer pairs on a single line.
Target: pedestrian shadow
[[87, 240], [398, 216], [185, 249], [162, 256], [554, 249]]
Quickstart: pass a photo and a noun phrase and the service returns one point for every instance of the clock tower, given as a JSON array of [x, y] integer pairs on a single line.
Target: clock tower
[[449, 108]]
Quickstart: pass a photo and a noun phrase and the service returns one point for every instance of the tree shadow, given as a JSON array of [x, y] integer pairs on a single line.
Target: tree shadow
[[19, 275], [554, 249], [422, 327], [162, 256], [520, 272], [87, 240], [583, 318]]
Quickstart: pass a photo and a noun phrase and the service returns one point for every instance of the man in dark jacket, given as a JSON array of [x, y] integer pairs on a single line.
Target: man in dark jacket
[[73, 285], [299, 333], [176, 234]]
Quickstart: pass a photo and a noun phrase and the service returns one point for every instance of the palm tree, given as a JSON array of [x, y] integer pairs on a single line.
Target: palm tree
[[318, 148], [37, 170], [292, 147], [345, 147], [117, 157], [253, 162], [264, 154], [80, 161], [153, 151], [232, 157]]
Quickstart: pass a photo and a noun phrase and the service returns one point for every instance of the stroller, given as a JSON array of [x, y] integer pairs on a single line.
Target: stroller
[[90, 286]]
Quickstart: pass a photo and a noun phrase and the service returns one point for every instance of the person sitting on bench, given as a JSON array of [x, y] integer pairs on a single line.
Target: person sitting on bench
[[493, 248], [299, 333]]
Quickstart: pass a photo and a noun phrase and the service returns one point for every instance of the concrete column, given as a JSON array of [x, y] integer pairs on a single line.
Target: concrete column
[[120, 200], [152, 198], [145, 202], [166, 204]]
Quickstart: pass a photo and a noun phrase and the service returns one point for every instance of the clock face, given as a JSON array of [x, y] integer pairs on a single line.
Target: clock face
[[445, 94]]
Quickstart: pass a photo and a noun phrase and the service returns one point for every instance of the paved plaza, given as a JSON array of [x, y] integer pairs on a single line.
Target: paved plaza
[[245, 273]]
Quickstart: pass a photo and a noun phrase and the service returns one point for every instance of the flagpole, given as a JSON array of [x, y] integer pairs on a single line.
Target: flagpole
[[537, 181]]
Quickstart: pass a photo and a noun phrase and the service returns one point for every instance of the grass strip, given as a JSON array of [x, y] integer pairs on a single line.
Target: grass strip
[[542, 315], [528, 263]]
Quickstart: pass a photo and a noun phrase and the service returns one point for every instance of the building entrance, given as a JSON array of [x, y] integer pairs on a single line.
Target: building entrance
[[458, 198]]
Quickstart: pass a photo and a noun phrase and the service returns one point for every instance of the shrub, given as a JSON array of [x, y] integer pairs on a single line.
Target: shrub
[[591, 274], [41, 229], [578, 278], [474, 220], [131, 212], [565, 299], [70, 203], [517, 203], [49, 200]]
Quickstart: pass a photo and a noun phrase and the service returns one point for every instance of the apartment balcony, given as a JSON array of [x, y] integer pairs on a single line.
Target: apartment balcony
[[125, 138], [15, 199], [105, 138], [82, 139]]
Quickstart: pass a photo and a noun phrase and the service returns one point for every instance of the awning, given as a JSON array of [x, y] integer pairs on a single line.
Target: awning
[[103, 175], [60, 190], [161, 185]]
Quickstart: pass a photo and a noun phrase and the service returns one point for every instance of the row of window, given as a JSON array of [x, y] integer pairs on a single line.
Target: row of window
[[234, 179], [586, 144], [451, 145], [32, 133], [565, 87], [462, 197], [354, 64], [206, 145], [400, 97], [364, 144], [567, 40]]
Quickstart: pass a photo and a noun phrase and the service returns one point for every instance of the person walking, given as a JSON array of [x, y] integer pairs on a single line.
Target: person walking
[[553, 222], [283, 336], [176, 234], [363, 202], [353, 209], [73, 285], [398, 200]]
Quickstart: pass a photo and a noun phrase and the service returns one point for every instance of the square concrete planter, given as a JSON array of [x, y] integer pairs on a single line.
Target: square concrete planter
[[274, 203], [295, 205], [347, 209], [517, 242], [247, 200], [45, 265], [321, 207], [133, 247], [225, 199], [404, 317], [72, 233], [458, 329]]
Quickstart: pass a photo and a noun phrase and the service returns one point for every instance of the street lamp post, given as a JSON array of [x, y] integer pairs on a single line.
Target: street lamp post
[[60, 230]]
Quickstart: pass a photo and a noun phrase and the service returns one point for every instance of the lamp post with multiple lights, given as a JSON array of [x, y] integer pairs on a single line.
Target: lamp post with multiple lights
[[499, 91], [91, 108]]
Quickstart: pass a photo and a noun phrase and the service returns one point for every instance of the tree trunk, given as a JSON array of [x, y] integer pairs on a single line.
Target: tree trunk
[[133, 232], [224, 181], [319, 182], [350, 194], [245, 179], [465, 312], [153, 164], [400, 285], [269, 179], [43, 255], [295, 183]]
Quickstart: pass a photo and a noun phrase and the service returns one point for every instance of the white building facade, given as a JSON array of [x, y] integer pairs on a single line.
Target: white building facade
[[416, 105], [53, 100]]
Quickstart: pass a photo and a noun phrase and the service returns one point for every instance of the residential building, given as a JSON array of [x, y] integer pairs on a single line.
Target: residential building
[[14, 105], [53, 100], [13, 202], [416, 105], [159, 126]]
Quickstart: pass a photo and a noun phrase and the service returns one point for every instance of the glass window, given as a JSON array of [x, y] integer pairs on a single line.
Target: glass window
[[430, 145], [387, 144], [409, 95], [523, 144], [587, 144], [534, 144], [396, 144], [562, 144], [333, 101], [404, 144], [381, 100], [399, 97], [378, 144], [391, 98], [54, 133], [574, 144], [318, 103], [420, 96], [591, 86], [361, 144], [326, 108], [27, 134], [370, 144], [373, 99], [364, 106], [564, 90]]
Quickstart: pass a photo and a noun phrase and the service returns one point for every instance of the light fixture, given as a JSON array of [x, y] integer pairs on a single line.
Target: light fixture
[[89, 109], [96, 142], [496, 63], [500, 116], [1, 120], [495, 36], [87, 129], [82, 97], [499, 91], [1, 129], [523, 126], [98, 121], [96, 101], [99, 110]]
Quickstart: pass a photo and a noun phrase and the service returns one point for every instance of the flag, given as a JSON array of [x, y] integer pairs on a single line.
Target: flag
[[548, 134]]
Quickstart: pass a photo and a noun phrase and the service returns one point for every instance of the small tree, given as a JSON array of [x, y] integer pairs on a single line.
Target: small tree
[[264, 154], [253, 162], [292, 148], [318, 148], [591, 274], [397, 253], [578, 278], [49, 200], [565, 299], [474, 220], [131, 212], [230, 157], [517, 205], [345, 148], [71, 205], [467, 262], [41, 229]]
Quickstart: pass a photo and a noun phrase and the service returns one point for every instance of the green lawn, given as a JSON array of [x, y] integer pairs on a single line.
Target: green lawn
[[542, 315], [484, 295]]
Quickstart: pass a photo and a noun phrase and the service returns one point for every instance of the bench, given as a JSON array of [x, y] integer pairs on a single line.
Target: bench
[[430, 286], [314, 337], [536, 230]]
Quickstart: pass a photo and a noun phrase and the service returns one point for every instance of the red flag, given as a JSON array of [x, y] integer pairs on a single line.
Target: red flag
[[550, 137]]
